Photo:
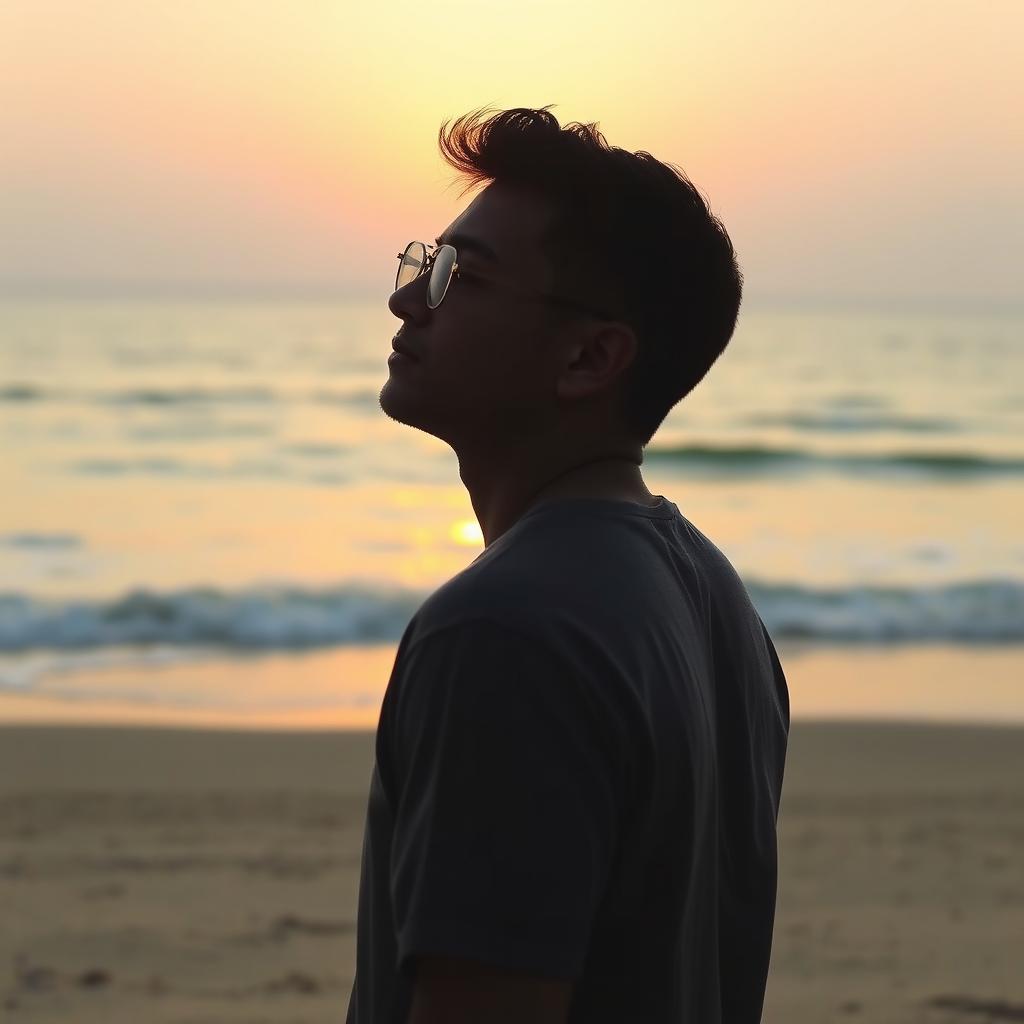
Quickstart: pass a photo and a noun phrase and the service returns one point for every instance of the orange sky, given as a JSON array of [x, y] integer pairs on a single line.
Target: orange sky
[[870, 151]]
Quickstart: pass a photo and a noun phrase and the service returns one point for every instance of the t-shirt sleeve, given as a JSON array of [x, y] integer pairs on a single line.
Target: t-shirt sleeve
[[509, 796]]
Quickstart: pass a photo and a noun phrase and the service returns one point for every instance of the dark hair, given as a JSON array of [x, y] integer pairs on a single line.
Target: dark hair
[[632, 236]]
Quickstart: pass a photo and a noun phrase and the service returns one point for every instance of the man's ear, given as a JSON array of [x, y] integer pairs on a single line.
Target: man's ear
[[598, 354]]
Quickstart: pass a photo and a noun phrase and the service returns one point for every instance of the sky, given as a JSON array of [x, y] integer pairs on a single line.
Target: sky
[[867, 153]]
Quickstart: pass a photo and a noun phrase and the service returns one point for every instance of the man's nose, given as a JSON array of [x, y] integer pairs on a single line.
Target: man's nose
[[410, 301]]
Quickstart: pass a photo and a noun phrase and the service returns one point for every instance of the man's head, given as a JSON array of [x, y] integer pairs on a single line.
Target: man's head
[[649, 276]]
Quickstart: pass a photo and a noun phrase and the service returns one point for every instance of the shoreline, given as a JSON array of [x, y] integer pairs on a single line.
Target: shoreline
[[342, 731], [343, 688]]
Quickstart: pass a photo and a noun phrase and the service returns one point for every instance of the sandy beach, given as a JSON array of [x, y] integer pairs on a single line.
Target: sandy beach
[[187, 875]]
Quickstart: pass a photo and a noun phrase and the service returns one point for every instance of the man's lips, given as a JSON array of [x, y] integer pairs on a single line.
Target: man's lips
[[399, 345]]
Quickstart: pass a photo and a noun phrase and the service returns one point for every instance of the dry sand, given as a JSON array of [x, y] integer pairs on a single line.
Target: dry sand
[[200, 876]]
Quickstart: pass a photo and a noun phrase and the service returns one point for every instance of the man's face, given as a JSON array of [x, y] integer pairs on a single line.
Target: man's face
[[486, 363]]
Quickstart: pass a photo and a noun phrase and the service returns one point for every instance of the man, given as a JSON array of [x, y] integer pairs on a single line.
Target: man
[[580, 751]]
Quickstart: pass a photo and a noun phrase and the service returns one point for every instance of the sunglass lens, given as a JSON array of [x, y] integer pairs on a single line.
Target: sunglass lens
[[440, 275], [411, 264]]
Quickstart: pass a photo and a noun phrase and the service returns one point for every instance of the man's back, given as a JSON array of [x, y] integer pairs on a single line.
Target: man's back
[[579, 765]]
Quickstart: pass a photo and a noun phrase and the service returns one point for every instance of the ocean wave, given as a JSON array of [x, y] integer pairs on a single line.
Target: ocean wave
[[266, 618], [976, 612], [290, 462], [21, 393], [748, 459], [846, 423], [256, 618], [253, 468], [187, 396], [41, 541]]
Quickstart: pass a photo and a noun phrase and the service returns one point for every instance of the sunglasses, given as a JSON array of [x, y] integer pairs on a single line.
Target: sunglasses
[[441, 264]]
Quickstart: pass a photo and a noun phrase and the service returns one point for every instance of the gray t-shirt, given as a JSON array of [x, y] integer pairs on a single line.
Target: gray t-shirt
[[578, 768]]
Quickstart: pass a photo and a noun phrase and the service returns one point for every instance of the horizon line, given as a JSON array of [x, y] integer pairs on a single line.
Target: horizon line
[[183, 291]]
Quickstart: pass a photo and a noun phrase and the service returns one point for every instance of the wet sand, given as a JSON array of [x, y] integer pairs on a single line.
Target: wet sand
[[342, 688], [197, 875]]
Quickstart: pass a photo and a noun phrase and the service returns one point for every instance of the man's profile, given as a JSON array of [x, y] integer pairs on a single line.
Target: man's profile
[[580, 752]]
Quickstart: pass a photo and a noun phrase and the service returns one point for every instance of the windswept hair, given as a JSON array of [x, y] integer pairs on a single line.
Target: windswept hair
[[632, 236]]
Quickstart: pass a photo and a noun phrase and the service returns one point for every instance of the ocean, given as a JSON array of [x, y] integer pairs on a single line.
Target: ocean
[[206, 517]]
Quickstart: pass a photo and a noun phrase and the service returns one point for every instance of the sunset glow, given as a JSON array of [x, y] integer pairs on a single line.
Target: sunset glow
[[851, 150]]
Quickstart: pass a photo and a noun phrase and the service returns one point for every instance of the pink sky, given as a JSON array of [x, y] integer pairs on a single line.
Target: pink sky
[[867, 151]]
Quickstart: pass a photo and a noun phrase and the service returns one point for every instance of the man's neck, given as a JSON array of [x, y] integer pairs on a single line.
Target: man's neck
[[500, 501]]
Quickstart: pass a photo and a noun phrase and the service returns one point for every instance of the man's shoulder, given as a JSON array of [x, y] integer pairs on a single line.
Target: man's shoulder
[[483, 601]]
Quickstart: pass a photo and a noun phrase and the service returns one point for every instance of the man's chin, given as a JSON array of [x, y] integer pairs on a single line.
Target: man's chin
[[409, 415], [397, 406]]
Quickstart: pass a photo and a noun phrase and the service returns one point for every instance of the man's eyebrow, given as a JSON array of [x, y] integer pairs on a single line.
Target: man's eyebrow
[[472, 244]]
